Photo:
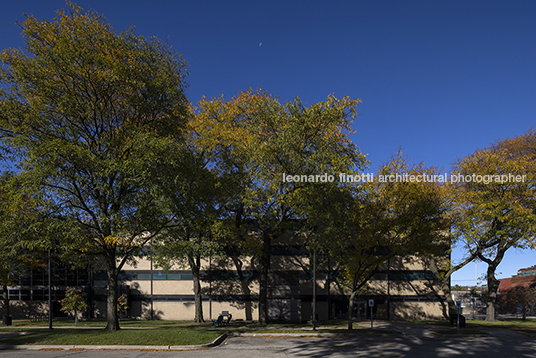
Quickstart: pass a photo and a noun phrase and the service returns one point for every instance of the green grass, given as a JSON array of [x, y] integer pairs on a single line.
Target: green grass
[[102, 324], [82, 336], [157, 332], [506, 323]]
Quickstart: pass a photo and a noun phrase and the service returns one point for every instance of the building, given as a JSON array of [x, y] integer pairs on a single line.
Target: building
[[526, 277], [471, 300], [404, 289]]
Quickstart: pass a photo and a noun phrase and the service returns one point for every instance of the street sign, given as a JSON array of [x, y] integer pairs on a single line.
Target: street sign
[[458, 304], [371, 303]]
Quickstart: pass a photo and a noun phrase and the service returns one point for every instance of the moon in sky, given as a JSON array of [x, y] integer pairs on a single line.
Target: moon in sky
[[260, 44]]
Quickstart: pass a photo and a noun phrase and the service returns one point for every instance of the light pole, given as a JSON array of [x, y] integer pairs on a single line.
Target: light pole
[[49, 292], [210, 287], [314, 288]]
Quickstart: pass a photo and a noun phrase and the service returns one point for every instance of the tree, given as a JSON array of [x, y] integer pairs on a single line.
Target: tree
[[257, 143], [386, 218], [74, 301], [521, 299], [193, 196], [22, 233], [92, 113], [495, 196]]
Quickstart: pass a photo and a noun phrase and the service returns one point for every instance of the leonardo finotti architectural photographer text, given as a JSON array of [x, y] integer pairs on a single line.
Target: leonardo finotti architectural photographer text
[[406, 177]]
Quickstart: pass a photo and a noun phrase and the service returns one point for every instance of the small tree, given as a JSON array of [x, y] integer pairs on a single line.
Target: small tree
[[521, 299], [74, 301]]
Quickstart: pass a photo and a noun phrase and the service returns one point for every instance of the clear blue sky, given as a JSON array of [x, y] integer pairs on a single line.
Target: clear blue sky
[[438, 79]]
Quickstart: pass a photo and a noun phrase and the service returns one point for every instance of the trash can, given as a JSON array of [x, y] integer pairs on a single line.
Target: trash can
[[7, 320]]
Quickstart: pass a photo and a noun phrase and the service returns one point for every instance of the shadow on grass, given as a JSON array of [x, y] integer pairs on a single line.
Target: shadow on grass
[[122, 337], [507, 323]]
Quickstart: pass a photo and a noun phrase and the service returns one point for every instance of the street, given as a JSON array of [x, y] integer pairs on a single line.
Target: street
[[415, 343]]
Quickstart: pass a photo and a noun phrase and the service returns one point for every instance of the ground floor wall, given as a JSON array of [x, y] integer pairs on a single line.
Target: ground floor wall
[[280, 310]]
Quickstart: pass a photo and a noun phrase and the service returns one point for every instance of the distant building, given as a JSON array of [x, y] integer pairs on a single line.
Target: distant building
[[526, 277], [471, 299]]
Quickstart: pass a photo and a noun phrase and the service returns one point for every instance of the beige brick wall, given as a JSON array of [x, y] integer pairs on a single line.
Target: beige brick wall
[[416, 310]]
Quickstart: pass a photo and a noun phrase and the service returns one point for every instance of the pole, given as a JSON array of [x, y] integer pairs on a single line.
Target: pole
[[152, 290], [49, 292], [458, 306], [388, 289], [314, 289], [476, 271], [371, 318], [210, 287]]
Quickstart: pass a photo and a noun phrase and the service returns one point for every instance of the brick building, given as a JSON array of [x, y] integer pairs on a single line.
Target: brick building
[[525, 277]]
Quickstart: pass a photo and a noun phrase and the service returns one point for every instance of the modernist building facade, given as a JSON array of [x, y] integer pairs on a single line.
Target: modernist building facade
[[404, 288]]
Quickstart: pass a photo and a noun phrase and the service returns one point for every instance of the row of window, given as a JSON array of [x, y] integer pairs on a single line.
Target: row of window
[[217, 275], [34, 294], [146, 275], [527, 273]]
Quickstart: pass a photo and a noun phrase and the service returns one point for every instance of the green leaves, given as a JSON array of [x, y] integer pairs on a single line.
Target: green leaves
[[496, 211], [256, 140], [92, 114], [90, 110], [493, 216]]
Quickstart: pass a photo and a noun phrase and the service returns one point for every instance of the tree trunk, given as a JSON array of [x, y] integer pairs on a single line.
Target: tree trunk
[[491, 299], [493, 283], [246, 291], [112, 316], [263, 281], [195, 264], [5, 296], [351, 310], [447, 308]]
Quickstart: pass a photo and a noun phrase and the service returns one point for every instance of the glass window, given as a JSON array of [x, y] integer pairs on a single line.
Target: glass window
[[187, 276], [173, 276], [159, 276]]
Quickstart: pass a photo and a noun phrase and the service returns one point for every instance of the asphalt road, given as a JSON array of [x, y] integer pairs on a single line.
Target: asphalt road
[[413, 340], [500, 344]]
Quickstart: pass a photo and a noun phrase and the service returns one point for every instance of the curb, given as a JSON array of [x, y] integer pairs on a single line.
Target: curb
[[312, 334], [212, 344]]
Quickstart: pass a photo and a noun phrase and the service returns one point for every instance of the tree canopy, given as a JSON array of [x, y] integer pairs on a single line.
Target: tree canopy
[[257, 142], [91, 113], [496, 214]]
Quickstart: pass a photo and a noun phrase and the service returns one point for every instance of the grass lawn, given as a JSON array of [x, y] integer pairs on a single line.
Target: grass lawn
[[156, 332], [84, 336], [102, 324], [476, 324]]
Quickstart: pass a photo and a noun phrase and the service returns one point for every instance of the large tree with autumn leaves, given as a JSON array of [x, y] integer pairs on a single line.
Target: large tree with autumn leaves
[[92, 113], [367, 224], [255, 142], [495, 212]]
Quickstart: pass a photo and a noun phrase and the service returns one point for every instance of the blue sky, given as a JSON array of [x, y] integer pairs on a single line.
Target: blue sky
[[438, 79]]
